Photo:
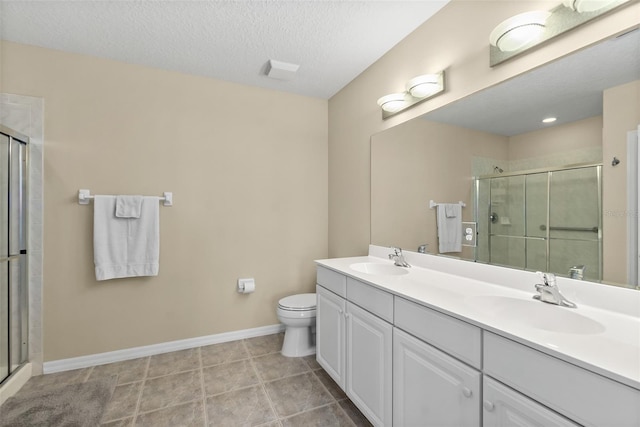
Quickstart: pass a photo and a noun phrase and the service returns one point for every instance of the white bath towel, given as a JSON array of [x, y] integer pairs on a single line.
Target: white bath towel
[[125, 247], [449, 220], [128, 206]]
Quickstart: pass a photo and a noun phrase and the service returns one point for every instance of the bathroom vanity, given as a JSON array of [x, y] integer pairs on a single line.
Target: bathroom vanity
[[450, 343]]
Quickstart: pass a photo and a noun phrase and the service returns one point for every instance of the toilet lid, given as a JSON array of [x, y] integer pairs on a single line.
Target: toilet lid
[[298, 302]]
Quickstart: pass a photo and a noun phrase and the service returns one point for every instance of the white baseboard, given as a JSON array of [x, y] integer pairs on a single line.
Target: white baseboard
[[15, 382], [150, 350]]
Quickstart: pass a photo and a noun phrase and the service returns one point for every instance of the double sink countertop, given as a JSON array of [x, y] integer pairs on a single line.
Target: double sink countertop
[[596, 338]]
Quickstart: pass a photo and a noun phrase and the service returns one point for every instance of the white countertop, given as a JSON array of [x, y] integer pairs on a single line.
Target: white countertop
[[609, 344]]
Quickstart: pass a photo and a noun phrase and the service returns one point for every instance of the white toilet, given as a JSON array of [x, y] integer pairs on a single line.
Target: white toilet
[[298, 314]]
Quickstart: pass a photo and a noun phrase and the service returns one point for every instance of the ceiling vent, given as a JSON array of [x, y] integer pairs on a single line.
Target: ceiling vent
[[281, 70]]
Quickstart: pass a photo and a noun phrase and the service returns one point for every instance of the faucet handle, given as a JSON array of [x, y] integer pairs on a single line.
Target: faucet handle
[[549, 279]]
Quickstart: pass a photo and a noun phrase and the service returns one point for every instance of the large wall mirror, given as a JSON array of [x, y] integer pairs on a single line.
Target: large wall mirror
[[540, 196]]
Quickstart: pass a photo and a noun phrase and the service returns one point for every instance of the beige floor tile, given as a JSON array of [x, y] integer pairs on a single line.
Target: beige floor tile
[[186, 415], [230, 376], [274, 366], [325, 416], [58, 379], [128, 371], [246, 407], [123, 402], [159, 393], [354, 413], [331, 385], [312, 362], [266, 344], [223, 353], [120, 423], [171, 363], [296, 394]]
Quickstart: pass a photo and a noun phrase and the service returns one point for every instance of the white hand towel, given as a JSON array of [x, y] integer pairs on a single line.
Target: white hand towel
[[449, 227], [128, 206], [125, 247]]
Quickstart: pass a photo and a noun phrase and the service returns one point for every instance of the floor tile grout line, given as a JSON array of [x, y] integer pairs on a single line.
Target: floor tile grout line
[[262, 386], [205, 414], [139, 401]]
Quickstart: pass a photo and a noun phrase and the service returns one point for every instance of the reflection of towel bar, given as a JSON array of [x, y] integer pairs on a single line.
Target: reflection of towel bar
[[84, 196], [592, 229], [433, 204]]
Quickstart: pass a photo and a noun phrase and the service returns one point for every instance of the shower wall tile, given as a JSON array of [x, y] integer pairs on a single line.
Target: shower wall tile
[[25, 114]]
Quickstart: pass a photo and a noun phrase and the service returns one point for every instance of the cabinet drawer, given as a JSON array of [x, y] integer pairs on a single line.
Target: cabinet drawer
[[453, 336], [335, 282], [370, 298], [581, 395]]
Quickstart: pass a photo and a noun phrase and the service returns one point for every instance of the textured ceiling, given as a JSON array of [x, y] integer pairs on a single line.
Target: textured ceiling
[[332, 41], [569, 89]]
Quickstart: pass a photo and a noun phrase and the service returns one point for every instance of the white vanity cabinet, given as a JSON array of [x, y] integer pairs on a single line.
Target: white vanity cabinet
[[504, 407], [431, 388], [369, 368], [354, 341], [331, 334], [581, 395]]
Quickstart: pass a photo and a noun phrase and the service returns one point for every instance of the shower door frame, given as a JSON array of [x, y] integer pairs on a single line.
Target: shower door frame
[[549, 171], [22, 253]]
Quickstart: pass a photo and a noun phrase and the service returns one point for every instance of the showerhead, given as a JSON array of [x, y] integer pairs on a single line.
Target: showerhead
[[498, 169]]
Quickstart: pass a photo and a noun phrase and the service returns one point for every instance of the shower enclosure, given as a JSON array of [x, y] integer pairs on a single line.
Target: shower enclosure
[[547, 220], [13, 251]]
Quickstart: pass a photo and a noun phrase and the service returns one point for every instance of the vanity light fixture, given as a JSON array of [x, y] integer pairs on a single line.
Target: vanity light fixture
[[425, 85], [549, 120], [419, 89], [528, 30], [585, 6], [519, 30], [394, 102]]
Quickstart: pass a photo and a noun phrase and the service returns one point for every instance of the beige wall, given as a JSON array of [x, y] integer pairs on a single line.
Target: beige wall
[[417, 162], [248, 170], [621, 115], [455, 39], [571, 137]]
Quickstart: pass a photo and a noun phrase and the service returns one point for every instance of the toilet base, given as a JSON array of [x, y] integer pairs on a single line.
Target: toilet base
[[298, 342]]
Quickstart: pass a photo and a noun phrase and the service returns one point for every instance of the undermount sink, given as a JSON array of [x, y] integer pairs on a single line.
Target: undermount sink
[[538, 314], [378, 269]]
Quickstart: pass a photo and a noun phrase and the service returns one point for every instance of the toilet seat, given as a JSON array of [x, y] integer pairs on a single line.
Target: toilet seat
[[300, 302]]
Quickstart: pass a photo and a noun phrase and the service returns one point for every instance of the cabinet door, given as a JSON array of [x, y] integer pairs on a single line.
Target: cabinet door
[[504, 407], [330, 334], [431, 388], [369, 368]]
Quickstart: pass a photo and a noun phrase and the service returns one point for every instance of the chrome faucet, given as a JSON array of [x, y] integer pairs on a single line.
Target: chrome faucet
[[398, 258], [577, 272], [549, 292]]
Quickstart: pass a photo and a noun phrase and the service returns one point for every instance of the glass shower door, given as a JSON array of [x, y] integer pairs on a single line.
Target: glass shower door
[[4, 257], [13, 255]]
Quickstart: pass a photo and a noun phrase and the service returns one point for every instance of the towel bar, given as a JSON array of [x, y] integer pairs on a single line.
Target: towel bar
[[433, 204], [84, 197]]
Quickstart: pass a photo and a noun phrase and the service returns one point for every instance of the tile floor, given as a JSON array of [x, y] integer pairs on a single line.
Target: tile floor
[[240, 383]]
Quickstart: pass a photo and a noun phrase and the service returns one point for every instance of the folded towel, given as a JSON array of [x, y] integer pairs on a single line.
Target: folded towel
[[450, 210], [125, 247], [449, 227], [128, 206]]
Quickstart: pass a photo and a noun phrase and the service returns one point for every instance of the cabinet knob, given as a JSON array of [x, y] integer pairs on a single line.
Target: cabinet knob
[[466, 391], [489, 406]]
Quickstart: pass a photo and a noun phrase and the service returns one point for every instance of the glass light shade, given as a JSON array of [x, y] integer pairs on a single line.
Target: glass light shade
[[394, 102], [581, 6], [519, 30], [425, 85]]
